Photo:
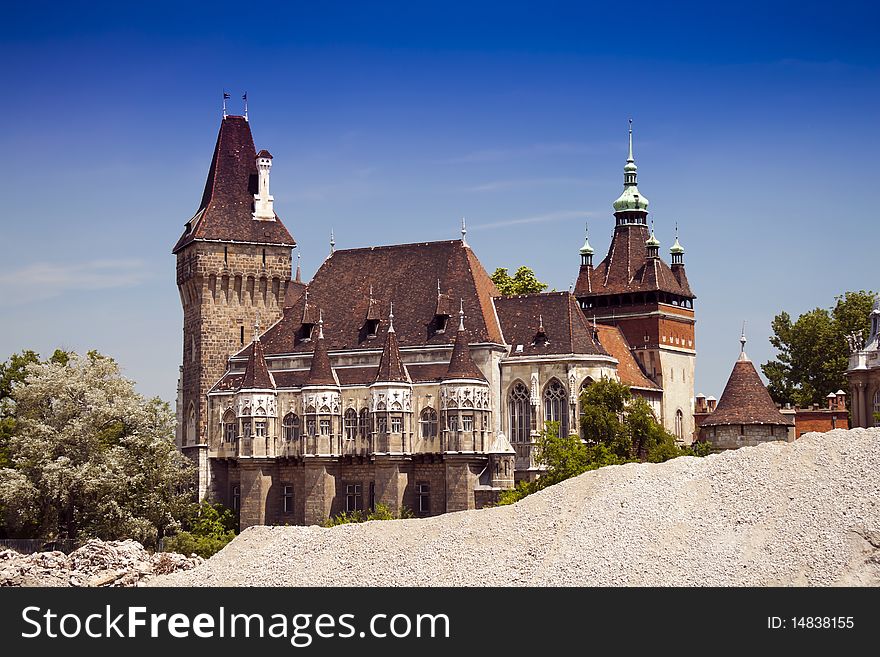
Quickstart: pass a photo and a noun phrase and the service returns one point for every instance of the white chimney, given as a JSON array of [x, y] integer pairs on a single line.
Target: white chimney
[[263, 210]]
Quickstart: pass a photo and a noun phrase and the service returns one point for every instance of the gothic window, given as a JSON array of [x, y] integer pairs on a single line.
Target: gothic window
[[364, 423], [290, 427], [556, 405], [679, 424], [190, 434], [428, 423], [351, 424], [519, 412], [325, 427], [382, 424], [260, 428], [452, 422], [311, 426], [467, 422], [246, 428], [229, 431], [396, 424]]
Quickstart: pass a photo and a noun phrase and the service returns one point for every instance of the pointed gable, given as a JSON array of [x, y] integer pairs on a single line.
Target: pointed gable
[[320, 372], [461, 365], [391, 367], [225, 212], [256, 374], [745, 400]]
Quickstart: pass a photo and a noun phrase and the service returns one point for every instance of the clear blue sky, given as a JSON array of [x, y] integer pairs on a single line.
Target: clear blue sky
[[755, 129]]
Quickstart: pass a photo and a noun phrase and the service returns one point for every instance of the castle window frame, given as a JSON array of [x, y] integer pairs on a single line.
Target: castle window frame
[[519, 413], [467, 423], [287, 499], [236, 498], [679, 424], [230, 430], [259, 428], [290, 427], [364, 423], [428, 423], [452, 422], [246, 429], [311, 427], [396, 424], [354, 500], [423, 498], [324, 426], [381, 424], [350, 424], [556, 405]]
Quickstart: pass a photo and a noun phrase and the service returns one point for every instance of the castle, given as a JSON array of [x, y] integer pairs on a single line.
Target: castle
[[398, 375]]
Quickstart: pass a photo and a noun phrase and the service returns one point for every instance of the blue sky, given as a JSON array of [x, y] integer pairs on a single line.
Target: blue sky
[[755, 129]]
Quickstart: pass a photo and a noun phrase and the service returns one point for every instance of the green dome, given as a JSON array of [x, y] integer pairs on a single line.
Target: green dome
[[677, 248], [652, 241], [586, 249], [631, 199]]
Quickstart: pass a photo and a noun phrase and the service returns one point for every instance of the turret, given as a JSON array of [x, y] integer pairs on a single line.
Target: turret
[[263, 210], [391, 399], [257, 404], [321, 401]]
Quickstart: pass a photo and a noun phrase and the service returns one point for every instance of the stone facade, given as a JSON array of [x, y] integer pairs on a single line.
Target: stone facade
[[863, 374]]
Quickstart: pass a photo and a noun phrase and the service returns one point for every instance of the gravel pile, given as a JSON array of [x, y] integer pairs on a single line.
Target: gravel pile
[[97, 563], [804, 513]]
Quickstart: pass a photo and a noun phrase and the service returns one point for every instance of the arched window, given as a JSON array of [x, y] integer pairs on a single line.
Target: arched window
[[191, 426], [679, 424], [556, 405], [428, 423], [351, 424], [519, 412], [229, 428], [290, 427], [364, 423]]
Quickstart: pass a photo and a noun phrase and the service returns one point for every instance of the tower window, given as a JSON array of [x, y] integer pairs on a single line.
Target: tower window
[[264, 257], [226, 255], [423, 491], [288, 499], [242, 334], [372, 327]]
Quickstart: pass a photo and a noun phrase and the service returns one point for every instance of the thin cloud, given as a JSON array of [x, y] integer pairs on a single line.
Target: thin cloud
[[536, 219], [501, 185], [495, 155], [44, 280]]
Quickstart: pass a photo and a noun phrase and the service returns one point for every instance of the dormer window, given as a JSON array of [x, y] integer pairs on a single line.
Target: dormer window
[[306, 331], [372, 327], [440, 323]]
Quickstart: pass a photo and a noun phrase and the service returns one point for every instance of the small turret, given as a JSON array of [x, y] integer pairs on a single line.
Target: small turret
[[677, 250], [652, 245], [587, 251], [263, 201]]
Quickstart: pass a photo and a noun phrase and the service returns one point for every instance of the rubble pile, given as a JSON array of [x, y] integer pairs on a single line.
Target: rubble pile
[[97, 563]]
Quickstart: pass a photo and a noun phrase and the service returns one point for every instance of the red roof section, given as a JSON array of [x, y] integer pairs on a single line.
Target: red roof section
[[391, 369], [745, 400], [256, 375], [628, 369], [461, 365], [627, 268], [320, 372], [405, 275], [225, 212], [565, 326]]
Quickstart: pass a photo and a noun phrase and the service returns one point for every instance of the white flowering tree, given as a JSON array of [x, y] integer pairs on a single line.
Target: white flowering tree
[[90, 456]]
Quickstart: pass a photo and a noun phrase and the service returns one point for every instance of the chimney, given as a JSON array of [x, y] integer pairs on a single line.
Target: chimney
[[832, 401], [263, 210], [841, 400]]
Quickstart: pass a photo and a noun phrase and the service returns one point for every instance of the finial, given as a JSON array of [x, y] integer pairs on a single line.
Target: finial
[[244, 98], [371, 291], [630, 158], [391, 319], [463, 232], [320, 324], [332, 242], [541, 323], [298, 270], [226, 97], [461, 315], [438, 287], [742, 342], [257, 327]]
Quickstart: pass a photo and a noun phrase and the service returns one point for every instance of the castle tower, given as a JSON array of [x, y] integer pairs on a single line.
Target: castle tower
[[233, 265], [651, 302]]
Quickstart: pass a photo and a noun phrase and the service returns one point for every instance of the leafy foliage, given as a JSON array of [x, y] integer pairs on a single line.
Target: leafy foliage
[[812, 351], [617, 428], [381, 512], [87, 456], [524, 281], [208, 531]]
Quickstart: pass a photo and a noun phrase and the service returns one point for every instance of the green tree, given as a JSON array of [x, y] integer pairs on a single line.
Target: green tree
[[381, 512], [206, 532], [524, 281], [89, 456], [813, 350]]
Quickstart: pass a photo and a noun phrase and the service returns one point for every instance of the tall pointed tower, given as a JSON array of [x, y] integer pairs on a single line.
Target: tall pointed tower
[[233, 268], [651, 302]]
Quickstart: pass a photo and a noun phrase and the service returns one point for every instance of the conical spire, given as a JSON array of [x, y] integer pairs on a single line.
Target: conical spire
[[630, 199], [461, 365], [256, 374], [298, 269], [587, 248], [742, 344], [391, 367], [320, 372]]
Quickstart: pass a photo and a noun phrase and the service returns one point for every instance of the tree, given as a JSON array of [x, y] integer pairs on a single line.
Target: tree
[[207, 531], [90, 457], [812, 351], [617, 428], [524, 281]]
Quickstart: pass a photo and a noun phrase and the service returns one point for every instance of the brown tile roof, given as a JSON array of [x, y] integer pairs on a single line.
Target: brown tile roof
[[256, 374], [628, 369], [391, 368], [745, 400], [225, 212], [565, 326], [320, 372], [627, 268], [295, 290], [405, 275], [461, 365]]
